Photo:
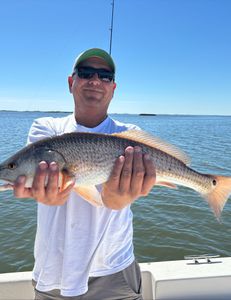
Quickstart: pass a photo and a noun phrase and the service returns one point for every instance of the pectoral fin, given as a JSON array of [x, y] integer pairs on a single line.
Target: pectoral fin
[[167, 184], [90, 194], [64, 181]]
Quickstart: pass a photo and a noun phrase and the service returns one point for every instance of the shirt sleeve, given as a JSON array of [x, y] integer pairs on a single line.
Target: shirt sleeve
[[40, 129]]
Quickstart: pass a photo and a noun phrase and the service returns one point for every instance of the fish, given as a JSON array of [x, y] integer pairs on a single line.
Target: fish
[[88, 159]]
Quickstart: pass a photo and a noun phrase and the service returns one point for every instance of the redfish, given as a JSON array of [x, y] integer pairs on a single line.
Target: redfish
[[88, 158]]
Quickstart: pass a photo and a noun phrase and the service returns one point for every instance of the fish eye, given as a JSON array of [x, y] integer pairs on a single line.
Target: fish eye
[[11, 166]]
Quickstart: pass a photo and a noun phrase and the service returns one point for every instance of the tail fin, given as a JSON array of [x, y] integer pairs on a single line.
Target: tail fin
[[219, 195]]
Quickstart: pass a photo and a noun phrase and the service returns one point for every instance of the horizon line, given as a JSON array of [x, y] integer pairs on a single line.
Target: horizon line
[[111, 113]]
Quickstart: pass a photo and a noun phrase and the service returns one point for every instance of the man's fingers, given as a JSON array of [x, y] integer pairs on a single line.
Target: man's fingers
[[38, 186], [53, 180], [114, 178], [61, 197], [150, 175], [19, 188], [138, 172], [42, 191], [126, 174]]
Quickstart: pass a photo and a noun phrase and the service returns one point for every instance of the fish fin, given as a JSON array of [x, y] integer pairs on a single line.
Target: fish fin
[[154, 142], [64, 180], [219, 195], [90, 194], [167, 184]]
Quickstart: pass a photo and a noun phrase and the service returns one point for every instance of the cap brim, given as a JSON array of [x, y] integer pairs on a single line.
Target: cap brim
[[95, 52]]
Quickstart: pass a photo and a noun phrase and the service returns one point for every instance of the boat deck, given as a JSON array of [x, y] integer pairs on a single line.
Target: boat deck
[[175, 280]]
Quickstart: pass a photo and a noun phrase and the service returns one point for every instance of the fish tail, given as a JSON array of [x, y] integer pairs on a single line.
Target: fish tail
[[219, 195]]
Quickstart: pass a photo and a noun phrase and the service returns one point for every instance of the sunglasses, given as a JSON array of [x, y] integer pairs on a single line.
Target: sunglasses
[[88, 72]]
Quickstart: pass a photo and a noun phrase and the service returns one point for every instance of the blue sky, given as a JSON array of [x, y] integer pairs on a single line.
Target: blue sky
[[172, 56]]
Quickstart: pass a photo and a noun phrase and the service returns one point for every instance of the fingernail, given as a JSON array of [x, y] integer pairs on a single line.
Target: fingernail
[[137, 149], [147, 156], [53, 166], [121, 159], [130, 149], [42, 165], [21, 179]]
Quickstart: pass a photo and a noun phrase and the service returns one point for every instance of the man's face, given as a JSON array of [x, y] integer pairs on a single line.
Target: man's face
[[92, 93]]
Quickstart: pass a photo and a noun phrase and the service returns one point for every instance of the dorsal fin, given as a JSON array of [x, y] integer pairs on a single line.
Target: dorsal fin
[[154, 142]]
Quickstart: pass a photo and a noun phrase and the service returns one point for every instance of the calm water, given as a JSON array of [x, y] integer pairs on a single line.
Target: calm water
[[168, 224]]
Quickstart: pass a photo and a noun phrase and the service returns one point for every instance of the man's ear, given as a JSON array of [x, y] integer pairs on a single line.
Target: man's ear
[[114, 86], [70, 82]]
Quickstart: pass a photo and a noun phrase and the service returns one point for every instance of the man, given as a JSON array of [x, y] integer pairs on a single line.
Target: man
[[83, 251]]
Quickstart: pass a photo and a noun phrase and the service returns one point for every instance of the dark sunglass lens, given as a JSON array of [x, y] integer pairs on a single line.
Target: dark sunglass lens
[[105, 77], [84, 75], [87, 73]]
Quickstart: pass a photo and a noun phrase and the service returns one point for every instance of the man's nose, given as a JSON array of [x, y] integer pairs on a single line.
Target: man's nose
[[95, 79]]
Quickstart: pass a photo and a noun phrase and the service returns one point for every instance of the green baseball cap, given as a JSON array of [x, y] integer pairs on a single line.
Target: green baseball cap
[[95, 52]]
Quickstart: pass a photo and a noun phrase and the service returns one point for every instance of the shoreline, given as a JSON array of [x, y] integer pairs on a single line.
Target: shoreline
[[134, 114]]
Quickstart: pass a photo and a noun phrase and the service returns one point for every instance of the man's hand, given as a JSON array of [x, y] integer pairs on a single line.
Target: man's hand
[[133, 176], [49, 194]]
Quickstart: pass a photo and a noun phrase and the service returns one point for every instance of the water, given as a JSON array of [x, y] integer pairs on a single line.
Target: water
[[168, 224]]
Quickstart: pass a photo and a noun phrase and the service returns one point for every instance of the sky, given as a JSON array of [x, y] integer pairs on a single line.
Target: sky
[[172, 56]]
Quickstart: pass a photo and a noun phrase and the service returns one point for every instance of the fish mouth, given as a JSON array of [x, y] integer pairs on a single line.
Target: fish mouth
[[5, 187], [5, 181]]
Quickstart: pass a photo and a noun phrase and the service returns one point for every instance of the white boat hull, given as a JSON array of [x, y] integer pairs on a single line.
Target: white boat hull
[[166, 280]]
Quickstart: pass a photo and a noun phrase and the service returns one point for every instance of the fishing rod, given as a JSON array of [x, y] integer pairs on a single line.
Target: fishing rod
[[111, 28]]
